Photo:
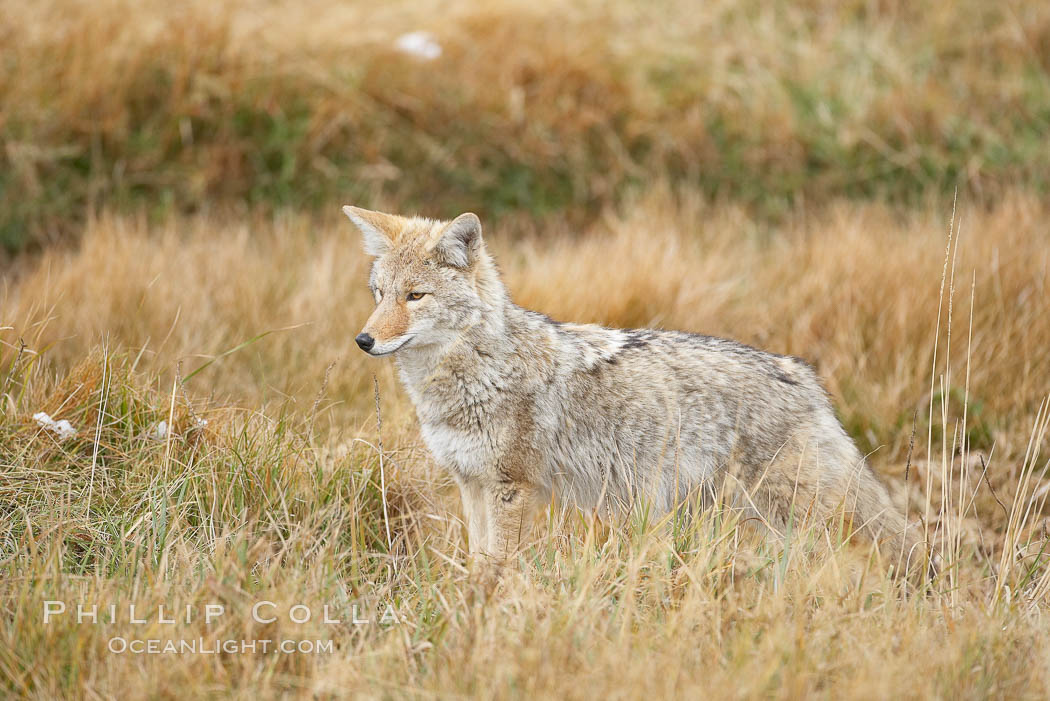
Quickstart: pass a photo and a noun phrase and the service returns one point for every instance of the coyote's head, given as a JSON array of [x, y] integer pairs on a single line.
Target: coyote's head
[[431, 280]]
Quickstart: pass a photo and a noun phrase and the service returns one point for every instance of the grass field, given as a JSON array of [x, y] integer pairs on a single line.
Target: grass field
[[279, 496], [181, 288], [531, 107]]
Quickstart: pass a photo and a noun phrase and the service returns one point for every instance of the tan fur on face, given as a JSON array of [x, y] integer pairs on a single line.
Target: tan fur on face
[[389, 320]]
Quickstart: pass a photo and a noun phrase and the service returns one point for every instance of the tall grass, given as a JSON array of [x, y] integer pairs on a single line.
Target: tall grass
[[267, 485], [532, 107]]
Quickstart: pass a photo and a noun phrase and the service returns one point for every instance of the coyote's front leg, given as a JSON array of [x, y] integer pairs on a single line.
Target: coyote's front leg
[[497, 515], [476, 512], [510, 506]]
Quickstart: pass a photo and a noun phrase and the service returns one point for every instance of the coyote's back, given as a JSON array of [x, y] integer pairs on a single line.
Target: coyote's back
[[522, 409], [633, 416]]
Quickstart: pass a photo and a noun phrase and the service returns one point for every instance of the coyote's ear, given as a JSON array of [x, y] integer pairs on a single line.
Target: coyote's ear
[[459, 243], [375, 227]]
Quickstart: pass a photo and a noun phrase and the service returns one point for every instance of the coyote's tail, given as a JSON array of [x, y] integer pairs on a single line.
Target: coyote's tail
[[877, 517]]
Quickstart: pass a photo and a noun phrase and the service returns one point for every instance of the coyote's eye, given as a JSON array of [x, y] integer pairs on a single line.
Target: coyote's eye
[[415, 296]]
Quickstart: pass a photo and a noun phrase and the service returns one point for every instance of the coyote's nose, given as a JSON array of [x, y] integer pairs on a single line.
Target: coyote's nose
[[365, 341]]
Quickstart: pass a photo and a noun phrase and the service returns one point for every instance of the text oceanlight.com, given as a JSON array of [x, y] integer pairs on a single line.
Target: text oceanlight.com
[[200, 646]]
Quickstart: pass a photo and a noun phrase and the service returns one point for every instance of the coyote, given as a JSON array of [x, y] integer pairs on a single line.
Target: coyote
[[522, 409]]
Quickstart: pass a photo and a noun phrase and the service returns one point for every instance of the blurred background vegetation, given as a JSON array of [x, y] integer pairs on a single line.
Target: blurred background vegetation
[[530, 107]]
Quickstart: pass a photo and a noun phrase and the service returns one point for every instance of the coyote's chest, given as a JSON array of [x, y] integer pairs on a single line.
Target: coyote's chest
[[463, 414], [469, 452]]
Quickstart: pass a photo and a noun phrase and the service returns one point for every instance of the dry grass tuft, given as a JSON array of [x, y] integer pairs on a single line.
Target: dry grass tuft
[[278, 496], [533, 107]]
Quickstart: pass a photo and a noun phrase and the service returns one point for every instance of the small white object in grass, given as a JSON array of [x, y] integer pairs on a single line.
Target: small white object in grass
[[199, 422], [62, 429], [161, 431], [422, 45]]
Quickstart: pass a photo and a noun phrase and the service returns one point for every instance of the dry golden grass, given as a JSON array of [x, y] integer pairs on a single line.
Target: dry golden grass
[[535, 106], [852, 288], [280, 495]]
